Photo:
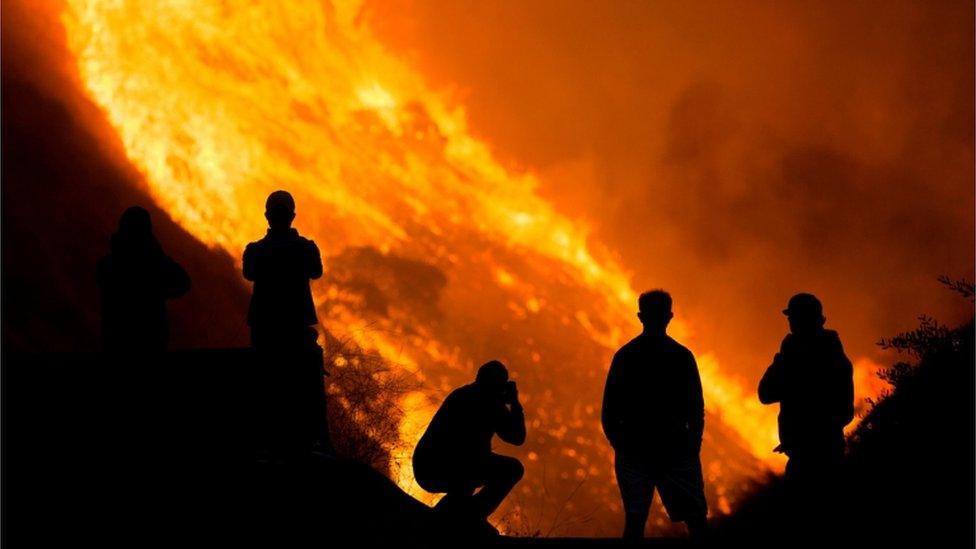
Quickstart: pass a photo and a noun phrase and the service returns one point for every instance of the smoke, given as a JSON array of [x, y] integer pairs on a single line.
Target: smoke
[[734, 152]]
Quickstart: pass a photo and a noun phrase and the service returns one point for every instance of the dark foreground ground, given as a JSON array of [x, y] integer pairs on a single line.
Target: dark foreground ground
[[140, 451], [159, 451]]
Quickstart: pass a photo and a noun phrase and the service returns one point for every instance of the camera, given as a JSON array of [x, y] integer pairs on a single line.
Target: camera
[[510, 392]]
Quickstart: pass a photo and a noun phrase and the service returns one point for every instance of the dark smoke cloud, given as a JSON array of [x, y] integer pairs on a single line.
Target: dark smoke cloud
[[734, 152]]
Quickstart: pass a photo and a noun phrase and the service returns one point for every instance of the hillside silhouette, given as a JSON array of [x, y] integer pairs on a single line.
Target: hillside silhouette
[[51, 164], [113, 449]]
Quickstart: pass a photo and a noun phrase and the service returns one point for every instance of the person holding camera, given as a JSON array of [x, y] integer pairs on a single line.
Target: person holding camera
[[281, 265], [454, 454], [813, 381]]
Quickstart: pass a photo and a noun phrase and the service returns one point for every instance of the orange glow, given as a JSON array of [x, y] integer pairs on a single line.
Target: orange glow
[[219, 103], [867, 385]]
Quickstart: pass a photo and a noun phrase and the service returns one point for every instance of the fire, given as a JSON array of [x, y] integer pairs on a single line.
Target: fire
[[219, 103], [867, 385]]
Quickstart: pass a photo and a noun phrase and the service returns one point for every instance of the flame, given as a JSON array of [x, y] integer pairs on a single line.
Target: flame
[[219, 103], [868, 386]]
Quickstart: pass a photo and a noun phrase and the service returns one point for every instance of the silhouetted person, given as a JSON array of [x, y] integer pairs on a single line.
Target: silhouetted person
[[135, 281], [282, 319], [654, 417], [812, 380], [454, 454], [281, 265]]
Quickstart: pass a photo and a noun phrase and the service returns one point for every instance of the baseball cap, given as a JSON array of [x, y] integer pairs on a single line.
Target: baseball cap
[[803, 304]]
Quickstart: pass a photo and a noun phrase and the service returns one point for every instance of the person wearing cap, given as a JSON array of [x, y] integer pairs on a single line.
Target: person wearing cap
[[282, 318], [654, 417], [812, 380], [454, 454], [281, 266]]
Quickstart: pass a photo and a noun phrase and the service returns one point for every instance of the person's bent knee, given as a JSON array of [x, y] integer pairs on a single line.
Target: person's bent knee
[[505, 467], [514, 469], [434, 484]]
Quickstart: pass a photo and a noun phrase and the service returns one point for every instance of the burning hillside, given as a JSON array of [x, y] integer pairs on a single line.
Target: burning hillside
[[439, 257]]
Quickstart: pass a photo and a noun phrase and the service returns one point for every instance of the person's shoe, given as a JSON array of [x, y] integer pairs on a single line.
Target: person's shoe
[[484, 530]]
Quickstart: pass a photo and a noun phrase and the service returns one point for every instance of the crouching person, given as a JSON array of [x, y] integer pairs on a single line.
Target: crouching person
[[454, 455]]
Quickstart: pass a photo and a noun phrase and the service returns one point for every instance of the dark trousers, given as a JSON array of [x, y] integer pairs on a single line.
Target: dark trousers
[[813, 484], [290, 390], [278, 339], [495, 474]]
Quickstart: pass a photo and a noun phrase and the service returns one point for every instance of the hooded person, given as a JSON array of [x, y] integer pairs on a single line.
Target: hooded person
[[135, 280]]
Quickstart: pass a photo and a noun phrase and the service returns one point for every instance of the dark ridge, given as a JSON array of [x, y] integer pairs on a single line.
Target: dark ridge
[[62, 197], [130, 449]]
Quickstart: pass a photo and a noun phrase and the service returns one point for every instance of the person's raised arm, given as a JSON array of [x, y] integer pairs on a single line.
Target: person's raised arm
[[696, 401], [251, 262], [176, 281], [314, 264], [612, 394], [771, 384], [510, 423], [844, 384]]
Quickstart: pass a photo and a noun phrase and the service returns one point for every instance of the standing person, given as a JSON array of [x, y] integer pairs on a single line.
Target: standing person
[[812, 380], [281, 264], [454, 454], [135, 280], [282, 319], [654, 416]]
